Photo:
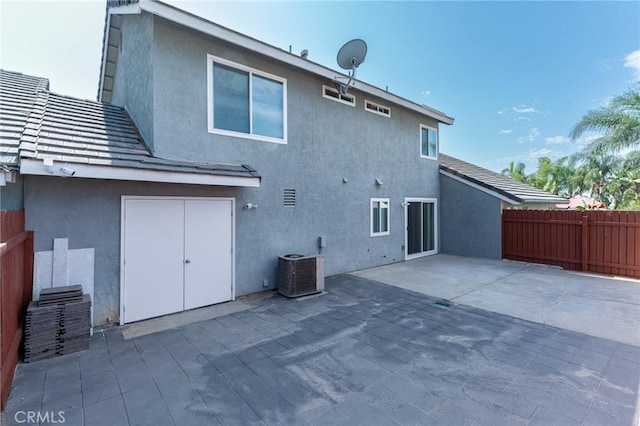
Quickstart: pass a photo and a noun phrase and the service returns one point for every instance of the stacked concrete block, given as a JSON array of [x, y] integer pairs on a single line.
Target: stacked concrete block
[[59, 323]]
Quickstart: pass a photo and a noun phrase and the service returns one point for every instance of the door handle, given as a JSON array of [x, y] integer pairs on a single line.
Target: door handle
[[187, 261]]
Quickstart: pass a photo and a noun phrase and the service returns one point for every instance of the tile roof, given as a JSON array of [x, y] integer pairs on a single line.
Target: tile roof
[[505, 186], [18, 93], [38, 124]]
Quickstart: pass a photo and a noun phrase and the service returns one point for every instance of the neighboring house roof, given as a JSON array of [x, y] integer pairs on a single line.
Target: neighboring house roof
[[111, 40], [92, 139], [578, 201], [503, 187]]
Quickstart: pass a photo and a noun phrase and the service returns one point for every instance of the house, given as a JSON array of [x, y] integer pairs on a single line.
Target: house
[[471, 202], [580, 202], [208, 155]]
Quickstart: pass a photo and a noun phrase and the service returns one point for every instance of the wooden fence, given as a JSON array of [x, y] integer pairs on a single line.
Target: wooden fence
[[16, 284], [604, 242]]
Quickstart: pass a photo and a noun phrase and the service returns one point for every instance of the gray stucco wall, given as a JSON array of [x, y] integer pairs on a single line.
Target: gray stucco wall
[[87, 212], [327, 141], [133, 81], [470, 223], [12, 195]]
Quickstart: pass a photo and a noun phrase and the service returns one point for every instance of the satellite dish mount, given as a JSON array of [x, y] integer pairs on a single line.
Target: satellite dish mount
[[350, 56]]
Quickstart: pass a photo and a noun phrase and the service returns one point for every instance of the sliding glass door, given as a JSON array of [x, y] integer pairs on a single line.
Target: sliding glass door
[[420, 216]]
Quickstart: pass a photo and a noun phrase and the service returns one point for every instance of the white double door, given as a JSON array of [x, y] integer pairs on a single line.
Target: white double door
[[177, 254]]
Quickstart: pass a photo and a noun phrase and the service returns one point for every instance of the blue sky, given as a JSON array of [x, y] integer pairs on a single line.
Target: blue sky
[[515, 75]]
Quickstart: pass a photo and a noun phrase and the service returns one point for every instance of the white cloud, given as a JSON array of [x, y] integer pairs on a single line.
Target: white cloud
[[557, 140], [534, 154], [525, 110], [520, 113], [632, 60], [533, 134], [587, 139], [529, 158], [505, 131], [426, 93], [601, 102]]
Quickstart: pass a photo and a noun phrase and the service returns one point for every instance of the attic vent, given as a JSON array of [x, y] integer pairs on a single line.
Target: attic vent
[[289, 197], [334, 95], [377, 108]]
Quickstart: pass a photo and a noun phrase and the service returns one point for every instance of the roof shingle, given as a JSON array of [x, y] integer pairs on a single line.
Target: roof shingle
[[38, 124], [507, 187]]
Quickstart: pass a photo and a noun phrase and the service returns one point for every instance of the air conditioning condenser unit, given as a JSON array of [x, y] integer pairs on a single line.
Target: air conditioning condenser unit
[[300, 275]]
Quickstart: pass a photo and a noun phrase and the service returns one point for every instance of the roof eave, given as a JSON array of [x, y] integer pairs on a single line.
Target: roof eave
[[501, 195], [130, 9], [90, 171], [202, 25], [541, 201]]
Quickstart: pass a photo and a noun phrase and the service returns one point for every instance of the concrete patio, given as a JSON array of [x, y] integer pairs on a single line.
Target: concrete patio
[[364, 353], [597, 305]]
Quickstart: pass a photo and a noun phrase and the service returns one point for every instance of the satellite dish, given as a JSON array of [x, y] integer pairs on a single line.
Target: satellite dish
[[350, 56]]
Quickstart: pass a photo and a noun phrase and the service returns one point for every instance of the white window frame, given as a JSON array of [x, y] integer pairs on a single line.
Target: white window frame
[[211, 59], [340, 96], [436, 218], [377, 106], [424, 126], [382, 233]]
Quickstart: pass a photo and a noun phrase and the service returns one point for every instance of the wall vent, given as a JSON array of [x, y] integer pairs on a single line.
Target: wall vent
[[334, 95], [289, 197], [377, 108]]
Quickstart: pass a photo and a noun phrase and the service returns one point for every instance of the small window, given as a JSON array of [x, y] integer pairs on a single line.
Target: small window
[[289, 198], [428, 142], [334, 95], [379, 216], [377, 108]]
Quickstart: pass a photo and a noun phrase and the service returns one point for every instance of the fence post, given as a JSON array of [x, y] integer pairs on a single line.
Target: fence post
[[585, 244]]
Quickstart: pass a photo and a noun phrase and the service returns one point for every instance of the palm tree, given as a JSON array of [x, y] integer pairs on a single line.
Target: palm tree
[[619, 122], [515, 172]]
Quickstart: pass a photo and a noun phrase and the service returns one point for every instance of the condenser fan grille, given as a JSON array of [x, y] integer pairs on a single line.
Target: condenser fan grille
[[300, 275]]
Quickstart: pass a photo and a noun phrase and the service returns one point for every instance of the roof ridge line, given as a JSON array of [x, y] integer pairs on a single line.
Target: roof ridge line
[[33, 123]]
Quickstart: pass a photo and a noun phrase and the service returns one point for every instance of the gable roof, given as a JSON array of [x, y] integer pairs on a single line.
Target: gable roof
[[111, 40], [91, 139], [498, 185]]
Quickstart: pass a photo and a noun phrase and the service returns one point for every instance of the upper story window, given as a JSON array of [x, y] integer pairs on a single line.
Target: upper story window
[[245, 102], [428, 142], [334, 95], [377, 108]]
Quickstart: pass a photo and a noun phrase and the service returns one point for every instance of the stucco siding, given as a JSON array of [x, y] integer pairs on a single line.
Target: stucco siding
[[133, 81], [327, 143], [12, 195], [87, 212], [470, 221]]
